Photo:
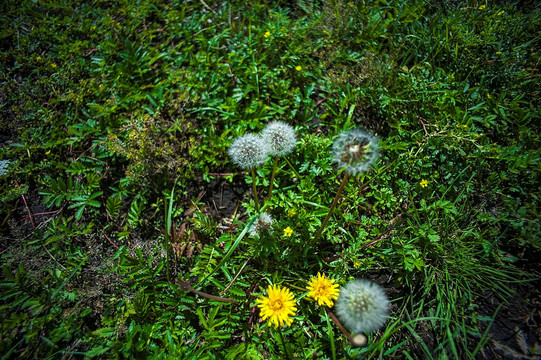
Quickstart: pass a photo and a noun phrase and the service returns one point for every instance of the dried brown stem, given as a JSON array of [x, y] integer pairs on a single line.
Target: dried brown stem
[[339, 324], [186, 286]]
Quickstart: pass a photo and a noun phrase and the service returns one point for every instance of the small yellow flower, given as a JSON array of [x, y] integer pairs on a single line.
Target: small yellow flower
[[38, 58], [424, 183], [288, 231], [267, 34], [47, 152], [482, 7], [323, 290], [489, 96], [501, 13], [498, 52], [278, 307], [291, 212], [298, 68], [356, 264]]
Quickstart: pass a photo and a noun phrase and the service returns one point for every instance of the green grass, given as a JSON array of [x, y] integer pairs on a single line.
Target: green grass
[[116, 120]]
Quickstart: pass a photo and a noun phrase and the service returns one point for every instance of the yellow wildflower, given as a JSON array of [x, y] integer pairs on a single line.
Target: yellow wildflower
[[291, 212], [482, 7], [498, 52], [356, 264], [288, 231], [38, 58], [501, 13], [323, 290], [424, 183], [298, 68], [267, 34], [278, 307]]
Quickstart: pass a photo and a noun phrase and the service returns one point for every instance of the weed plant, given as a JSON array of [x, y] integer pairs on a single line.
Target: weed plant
[[115, 126]]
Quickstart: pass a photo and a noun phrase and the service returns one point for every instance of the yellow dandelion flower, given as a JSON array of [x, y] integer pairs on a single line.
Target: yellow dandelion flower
[[298, 68], [267, 34], [278, 307], [482, 7], [424, 183], [291, 212], [323, 290], [288, 231]]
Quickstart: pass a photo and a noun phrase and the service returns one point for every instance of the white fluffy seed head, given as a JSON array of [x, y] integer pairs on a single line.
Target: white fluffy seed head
[[280, 137], [362, 306], [262, 224], [249, 151], [355, 151], [4, 164]]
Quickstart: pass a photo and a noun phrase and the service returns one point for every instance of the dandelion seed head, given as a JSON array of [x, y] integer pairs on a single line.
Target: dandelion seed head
[[362, 306], [249, 151], [280, 138], [262, 224], [355, 151], [4, 167]]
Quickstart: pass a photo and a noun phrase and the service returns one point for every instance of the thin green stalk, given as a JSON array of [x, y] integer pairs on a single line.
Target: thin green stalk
[[335, 201], [292, 167], [331, 334], [168, 226], [272, 178], [284, 345], [255, 191]]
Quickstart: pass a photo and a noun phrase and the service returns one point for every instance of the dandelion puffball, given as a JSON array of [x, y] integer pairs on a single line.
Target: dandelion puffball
[[280, 137], [362, 306], [355, 151], [262, 224], [249, 151]]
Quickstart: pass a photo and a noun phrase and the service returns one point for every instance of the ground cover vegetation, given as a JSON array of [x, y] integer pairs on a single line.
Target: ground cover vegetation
[[132, 227]]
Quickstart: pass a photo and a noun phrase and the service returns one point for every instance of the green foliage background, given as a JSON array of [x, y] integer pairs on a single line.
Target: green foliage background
[[105, 106]]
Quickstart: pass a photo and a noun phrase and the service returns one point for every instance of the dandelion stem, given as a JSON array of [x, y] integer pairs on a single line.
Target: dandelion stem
[[339, 324], [293, 168], [186, 286], [284, 345], [272, 178], [344, 181], [255, 191]]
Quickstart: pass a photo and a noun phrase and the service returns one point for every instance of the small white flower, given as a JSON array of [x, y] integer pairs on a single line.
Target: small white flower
[[280, 137], [4, 167], [362, 306], [249, 151], [355, 151], [262, 224]]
